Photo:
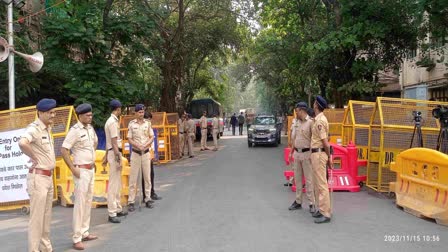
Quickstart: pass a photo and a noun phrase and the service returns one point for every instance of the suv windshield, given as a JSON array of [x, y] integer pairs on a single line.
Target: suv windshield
[[264, 121]]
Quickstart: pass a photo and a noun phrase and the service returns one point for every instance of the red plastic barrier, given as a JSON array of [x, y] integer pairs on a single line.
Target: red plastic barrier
[[345, 177]]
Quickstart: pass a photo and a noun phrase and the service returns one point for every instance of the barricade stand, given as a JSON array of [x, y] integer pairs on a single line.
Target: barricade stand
[[335, 118], [356, 126], [391, 129], [422, 183]]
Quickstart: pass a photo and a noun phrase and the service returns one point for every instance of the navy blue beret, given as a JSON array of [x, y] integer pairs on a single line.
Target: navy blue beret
[[46, 104], [139, 107], [83, 108], [302, 105], [321, 102], [115, 104]]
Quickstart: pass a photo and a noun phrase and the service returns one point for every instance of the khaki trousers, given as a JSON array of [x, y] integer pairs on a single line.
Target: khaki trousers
[[190, 140], [203, 139], [40, 189], [303, 167], [181, 143], [319, 163], [114, 190], [140, 163], [83, 203], [215, 137]]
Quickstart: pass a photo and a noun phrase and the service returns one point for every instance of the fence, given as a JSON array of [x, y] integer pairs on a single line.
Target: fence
[[392, 126]]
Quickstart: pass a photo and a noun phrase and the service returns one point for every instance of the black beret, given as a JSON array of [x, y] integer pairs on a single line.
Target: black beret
[[321, 102], [139, 107], [115, 104], [302, 105], [83, 108], [46, 104]]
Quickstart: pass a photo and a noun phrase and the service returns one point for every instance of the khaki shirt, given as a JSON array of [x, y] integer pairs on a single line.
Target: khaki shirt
[[140, 132], [320, 131], [181, 126], [215, 123], [42, 144], [301, 136], [191, 127], [82, 141], [112, 129], [203, 122]]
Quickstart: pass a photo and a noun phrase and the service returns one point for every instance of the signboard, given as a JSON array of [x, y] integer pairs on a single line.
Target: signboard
[[13, 167]]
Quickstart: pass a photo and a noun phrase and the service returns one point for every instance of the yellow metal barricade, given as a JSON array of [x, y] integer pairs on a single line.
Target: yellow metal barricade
[[160, 123], [356, 126], [20, 118], [422, 183], [335, 118], [391, 130], [173, 129]]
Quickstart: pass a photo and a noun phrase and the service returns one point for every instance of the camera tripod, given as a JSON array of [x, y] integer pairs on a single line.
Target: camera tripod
[[418, 130], [442, 139]]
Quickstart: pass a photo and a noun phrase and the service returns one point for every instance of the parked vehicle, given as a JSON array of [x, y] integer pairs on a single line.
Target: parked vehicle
[[197, 107], [264, 130]]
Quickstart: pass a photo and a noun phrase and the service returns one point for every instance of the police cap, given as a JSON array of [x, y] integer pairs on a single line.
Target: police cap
[[46, 104]]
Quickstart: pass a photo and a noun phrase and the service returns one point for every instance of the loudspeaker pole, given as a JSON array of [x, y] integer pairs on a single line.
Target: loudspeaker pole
[[11, 85]]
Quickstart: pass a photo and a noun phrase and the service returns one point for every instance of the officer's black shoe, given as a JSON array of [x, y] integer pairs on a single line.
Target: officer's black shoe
[[312, 209], [322, 219], [122, 213], [148, 204], [114, 219], [317, 214], [295, 206], [131, 207], [156, 197]]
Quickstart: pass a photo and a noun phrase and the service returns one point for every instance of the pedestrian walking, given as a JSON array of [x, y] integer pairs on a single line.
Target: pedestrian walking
[[241, 123], [233, 122]]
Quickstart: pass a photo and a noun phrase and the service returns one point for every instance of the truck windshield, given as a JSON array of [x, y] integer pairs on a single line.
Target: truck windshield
[[264, 120]]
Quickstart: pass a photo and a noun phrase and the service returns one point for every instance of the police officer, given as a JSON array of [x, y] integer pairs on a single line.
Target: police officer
[[37, 143], [215, 131], [82, 141], [113, 147], [154, 196], [140, 136], [320, 158], [203, 124], [190, 129], [301, 139], [182, 139]]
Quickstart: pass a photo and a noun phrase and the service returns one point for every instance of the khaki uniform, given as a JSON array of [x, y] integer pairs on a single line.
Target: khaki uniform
[[181, 124], [190, 129], [40, 187], [112, 129], [319, 163], [140, 160], [203, 123], [301, 139], [215, 131], [82, 142]]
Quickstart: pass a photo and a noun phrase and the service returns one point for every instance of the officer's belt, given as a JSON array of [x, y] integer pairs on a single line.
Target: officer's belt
[[119, 149], [41, 171], [302, 150], [140, 152], [314, 150], [86, 166]]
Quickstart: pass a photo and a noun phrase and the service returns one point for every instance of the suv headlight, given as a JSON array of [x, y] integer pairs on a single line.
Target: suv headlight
[[251, 129], [273, 130]]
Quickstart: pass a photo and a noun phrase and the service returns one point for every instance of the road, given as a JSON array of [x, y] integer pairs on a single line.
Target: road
[[234, 200]]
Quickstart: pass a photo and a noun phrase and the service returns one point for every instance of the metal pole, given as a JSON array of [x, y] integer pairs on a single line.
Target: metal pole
[[12, 100]]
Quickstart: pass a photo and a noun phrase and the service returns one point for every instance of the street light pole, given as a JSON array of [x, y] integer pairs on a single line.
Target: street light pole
[[11, 86]]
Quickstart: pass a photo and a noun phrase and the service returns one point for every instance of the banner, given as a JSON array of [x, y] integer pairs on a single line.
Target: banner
[[13, 167]]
